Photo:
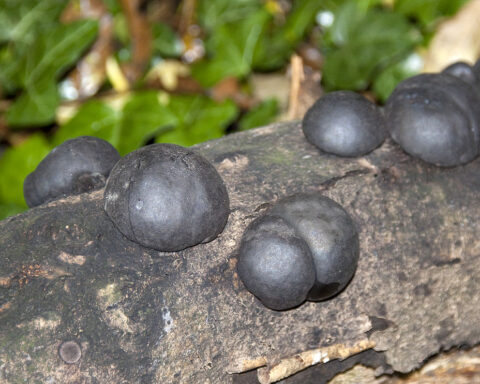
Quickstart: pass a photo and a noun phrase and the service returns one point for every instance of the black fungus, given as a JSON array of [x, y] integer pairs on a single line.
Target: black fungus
[[166, 197], [76, 166], [436, 118], [275, 264], [305, 247], [344, 123], [461, 70]]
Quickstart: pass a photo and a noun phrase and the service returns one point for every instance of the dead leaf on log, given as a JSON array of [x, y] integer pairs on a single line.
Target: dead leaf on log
[[456, 39]]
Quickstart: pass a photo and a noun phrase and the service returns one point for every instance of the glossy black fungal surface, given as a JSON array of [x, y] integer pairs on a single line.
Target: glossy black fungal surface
[[166, 197], [305, 247], [275, 264], [436, 117], [461, 70], [344, 123], [76, 166]]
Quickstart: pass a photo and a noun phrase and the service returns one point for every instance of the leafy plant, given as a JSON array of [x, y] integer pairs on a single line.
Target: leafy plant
[[361, 43], [366, 45]]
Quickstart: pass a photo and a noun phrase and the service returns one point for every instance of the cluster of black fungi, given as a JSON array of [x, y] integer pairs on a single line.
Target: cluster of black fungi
[[305, 247]]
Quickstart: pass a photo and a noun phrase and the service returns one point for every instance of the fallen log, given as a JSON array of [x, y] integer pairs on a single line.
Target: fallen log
[[80, 303]]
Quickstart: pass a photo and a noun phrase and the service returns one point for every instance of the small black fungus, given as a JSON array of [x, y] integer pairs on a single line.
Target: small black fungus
[[70, 352], [275, 264], [78, 165], [305, 247], [344, 123], [461, 70], [436, 118], [166, 197]]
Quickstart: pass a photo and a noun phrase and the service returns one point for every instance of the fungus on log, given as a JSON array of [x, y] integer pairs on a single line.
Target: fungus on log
[[141, 316]]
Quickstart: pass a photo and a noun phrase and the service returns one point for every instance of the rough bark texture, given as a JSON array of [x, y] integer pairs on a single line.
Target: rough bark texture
[[140, 316]]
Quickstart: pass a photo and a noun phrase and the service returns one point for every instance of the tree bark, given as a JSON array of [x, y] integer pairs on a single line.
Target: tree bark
[[141, 316]]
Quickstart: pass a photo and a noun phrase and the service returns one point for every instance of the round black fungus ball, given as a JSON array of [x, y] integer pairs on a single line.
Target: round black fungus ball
[[330, 235], [275, 264], [344, 123], [76, 166], [436, 118], [166, 197], [461, 70], [305, 247]]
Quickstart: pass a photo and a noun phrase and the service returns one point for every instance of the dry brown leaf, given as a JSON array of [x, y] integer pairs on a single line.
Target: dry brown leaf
[[456, 39]]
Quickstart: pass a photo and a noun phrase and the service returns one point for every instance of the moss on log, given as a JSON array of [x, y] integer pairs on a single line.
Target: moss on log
[[141, 316]]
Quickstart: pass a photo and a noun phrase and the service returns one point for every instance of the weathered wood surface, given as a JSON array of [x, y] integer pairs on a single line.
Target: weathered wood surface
[[141, 316]]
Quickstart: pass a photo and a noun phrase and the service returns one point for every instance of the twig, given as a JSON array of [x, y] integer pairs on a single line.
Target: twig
[[296, 64], [296, 363], [247, 365]]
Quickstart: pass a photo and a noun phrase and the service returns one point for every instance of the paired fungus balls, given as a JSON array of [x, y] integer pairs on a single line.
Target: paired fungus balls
[[161, 196], [305, 247], [344, 123], [166, 197], [436, 117], [76, 166]]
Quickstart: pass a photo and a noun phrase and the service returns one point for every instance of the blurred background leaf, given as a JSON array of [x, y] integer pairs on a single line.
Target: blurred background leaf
[[134, 72]]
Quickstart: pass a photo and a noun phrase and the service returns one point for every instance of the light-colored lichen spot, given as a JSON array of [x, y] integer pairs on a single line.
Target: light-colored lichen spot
[[114, 317], [109, 295], [237, 164], [167, 320], [117, 319], [72, 259], [48, 321]]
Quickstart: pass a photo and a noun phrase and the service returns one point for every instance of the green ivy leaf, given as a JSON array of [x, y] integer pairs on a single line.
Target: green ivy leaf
[[387, 80], [212, 14], [362, 43], [166, 42], [428, 11], [51, 54], [261, 115], [277, 45], [142, 118], [232, 48], [22, 21], [35, 107], [15, 164], [7, 210], [198, 119], [93, 118]]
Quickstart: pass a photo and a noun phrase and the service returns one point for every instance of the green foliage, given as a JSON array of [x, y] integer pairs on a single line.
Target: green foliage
[[15, 164], [362, 43], [197, 119], [166, 42], [261, 115], [237, 45], [22, 21], [427, 12], [231, 47], [277, 44], [50, 54], [213, 14], [368, 46], [93, 118], [387, 80], [184, 120]]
